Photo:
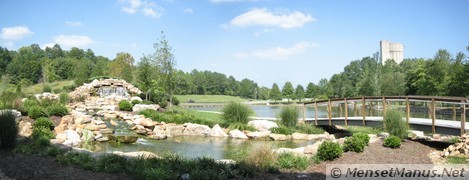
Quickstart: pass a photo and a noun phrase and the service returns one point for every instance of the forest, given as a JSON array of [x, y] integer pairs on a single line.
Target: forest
[[443, 75]]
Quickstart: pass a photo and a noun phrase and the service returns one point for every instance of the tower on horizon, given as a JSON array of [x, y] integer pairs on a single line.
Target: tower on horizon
[[390, 50]]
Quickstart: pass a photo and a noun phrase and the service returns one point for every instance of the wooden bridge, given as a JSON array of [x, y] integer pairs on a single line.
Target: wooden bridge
[[456, 105]]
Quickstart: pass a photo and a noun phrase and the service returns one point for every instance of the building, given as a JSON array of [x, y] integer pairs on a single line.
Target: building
[[390, 50]]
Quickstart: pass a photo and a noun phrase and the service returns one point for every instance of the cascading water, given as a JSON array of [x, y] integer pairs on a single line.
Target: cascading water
[[112, 91]]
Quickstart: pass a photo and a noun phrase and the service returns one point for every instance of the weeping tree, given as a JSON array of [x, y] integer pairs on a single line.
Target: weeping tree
[[165, 63]]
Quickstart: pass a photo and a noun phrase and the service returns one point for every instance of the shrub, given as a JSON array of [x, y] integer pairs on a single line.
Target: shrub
[[329, 150], [36, 112], [364, 137], [241, 127], [283, 130], [46, 88], [125, 105], [111, 163], [41, 136], [263, 157], [235, 112], [8, 129], [57, 110], [309, 129], [392, 142], [43, 122], [395, 125], [354, 144], [63, 98], [57, 91], [135, 101], [289, 116], [176, 101], [163, 104], [290, 161]]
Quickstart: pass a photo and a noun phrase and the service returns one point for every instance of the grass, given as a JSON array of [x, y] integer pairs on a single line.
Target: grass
[[35, 89], [209, 98], [181, 116], [458, 160], [365, 130]]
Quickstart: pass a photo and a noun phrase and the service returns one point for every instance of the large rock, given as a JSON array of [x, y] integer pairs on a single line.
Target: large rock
[[26, 128], [299, 136], [172, 131], [196, 130], [262, 125], [217, 131], [278, 137], [140, 107], [73, 139], [158, 133], [313, 148], [258, 135], [297, 151], [146, 122], [324, 136], [82, 119], [123, 138], [237, 134]]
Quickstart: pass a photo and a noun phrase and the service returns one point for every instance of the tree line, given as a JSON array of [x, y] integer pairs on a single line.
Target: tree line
[[442, 75]]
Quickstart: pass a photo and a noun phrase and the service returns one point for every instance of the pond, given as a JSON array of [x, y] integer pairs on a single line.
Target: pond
[[195, 146]]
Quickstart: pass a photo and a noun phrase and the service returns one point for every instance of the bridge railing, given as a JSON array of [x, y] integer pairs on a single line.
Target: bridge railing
[[456, 102]]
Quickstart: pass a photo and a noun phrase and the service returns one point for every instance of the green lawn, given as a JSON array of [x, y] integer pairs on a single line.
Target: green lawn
[[209, 98], [361, 129], [35, 89]]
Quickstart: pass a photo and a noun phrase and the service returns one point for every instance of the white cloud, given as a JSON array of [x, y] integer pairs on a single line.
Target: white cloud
[[277, 52], [73, 40], [146, 7], [265, 17], [188, 11], [16, 33], [258, 33], [9, 45], [74, 24], [50, 45]]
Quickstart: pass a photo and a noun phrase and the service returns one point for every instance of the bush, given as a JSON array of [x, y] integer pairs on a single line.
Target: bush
[[46, 88], [57, 91], [176, 101], [125, 105], [392, 142], [41, 136], [283, 130], [36, 112], [111, 163], [309, 129], [263, 157], [290, 161], [43, 122], [63, 98], [135, 101], [329, 150], [289, 116], [235, 112], [8, 129], [364, 137], [241, 127], [395, 125], [57, 110], [354, 144]]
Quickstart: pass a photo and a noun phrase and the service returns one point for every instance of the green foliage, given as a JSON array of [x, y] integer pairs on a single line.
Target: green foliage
[[355, 144], [283, 130], [42, 133], [364, 137], [275, 93], [179, 117], [235, 112], [56, 110], [125, 105], [111, 163], [43, 122], [289, 116], [135, 101], [288, 91], [83, 160], [57, 91], [290, 161], [63, 98], [329, 150], [315, 159], [309, 129], [299, 92], [8, 129], [392, 142], [46, 88], [36, 112], [262, 157], [457, 160], [395, 125], [365, 130], [241, 127]]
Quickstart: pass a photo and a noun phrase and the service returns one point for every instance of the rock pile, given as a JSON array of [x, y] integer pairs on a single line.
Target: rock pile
[[92, 88], [460, 148]]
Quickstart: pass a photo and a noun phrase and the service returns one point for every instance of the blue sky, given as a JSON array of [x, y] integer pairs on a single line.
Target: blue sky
[[264, 40]]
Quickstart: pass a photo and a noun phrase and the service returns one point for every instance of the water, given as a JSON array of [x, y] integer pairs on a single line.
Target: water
[[195, 146], [112, 91]]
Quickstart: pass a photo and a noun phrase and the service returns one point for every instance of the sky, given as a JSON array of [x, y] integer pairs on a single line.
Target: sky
[[267, 41]]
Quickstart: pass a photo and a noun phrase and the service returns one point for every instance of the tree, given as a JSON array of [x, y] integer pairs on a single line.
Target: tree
[[5, 59], [48, 71], [311, 90], [275, 93], [263, 93], [145, 74], [248, 89], [299, 92], [288, 91], [54, 52], [122, 66], [166, 65]]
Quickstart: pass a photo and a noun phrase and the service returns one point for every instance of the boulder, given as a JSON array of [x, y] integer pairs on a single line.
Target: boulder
[[106, 131], [140, 107], [217, 131], [258, 135], [145, 122], [324, 136], [297, 151], [73, 139], [313, 148], [176, 130], [109, 107], [262, 125], [300, 136], [136, 98], [108, 116], [196, 130], [123, 137], [82, 119], [26, 128], [237, 134], [278, 137]]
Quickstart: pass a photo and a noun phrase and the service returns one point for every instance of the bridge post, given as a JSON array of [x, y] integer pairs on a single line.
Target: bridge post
[[340, 107], [463, 118], [364, 111], [454, 112], [304, 113], [329, 113], [433, 115], [355, 109], [315, 113], [346, 112], [384, 111], [407, 104]]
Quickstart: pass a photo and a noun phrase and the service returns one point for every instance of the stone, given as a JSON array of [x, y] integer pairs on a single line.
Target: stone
[[278, 137], [140, 107], [225, 161], [136, 98], [92, 127], [26, 129], [109, 107], [73, 139], [109, 116], [145, 122], [217, 131], [138, 154], [263, 125], [258, 135], [172, 131], [141, 131], [417, 134], [196, 130], [102, 139], [324, 136], [297, 151], [373, 138], [106, 131], [68, 119], [454, 153], [237, 134], [312, 148], [62, 137], [82, 119], [113, 123], [383, 135], [446, 154], [123, 138], [99, 122], [436, 136], [299, 136]]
